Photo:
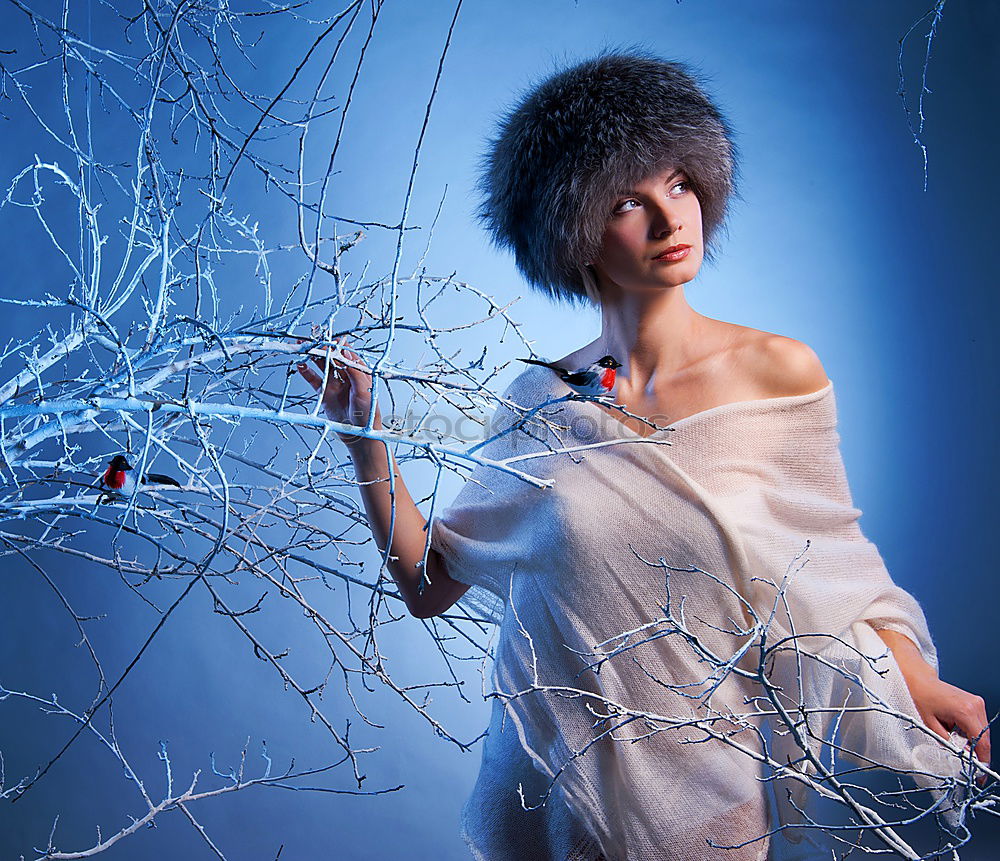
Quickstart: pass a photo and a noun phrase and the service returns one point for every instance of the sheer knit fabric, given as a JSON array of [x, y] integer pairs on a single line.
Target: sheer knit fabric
[[576, 576]]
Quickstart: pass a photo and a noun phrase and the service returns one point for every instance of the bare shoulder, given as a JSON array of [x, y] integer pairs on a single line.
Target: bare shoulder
[[786, 366]]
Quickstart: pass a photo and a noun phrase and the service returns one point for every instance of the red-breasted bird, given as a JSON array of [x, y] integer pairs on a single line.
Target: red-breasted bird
[[596, 379], [118, 479]]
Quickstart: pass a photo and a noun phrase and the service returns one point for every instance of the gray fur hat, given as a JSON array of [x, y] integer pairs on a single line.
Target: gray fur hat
[[575, 141]]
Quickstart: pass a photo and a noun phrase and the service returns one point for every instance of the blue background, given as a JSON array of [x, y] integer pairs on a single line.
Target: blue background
[[836, 244]]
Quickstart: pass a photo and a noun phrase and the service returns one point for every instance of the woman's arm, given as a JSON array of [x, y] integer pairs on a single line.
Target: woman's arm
[[941, 706], [791, 367], [371, 467], [347, 398]]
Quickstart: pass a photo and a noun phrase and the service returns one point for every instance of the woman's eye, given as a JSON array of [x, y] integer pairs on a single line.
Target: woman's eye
[[683, 184]]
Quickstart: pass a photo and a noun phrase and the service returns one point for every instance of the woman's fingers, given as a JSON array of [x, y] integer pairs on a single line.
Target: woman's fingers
[[341, 371], [356, 358], [970, 724], [357, 373], [335, 373], [320, 362], [310, 375], [316, 380]]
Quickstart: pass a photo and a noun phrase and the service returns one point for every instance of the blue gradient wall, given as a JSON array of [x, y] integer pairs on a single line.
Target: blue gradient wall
[[835, 243]]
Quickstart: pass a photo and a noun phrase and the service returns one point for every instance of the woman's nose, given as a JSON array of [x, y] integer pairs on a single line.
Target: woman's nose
[[665, 219]]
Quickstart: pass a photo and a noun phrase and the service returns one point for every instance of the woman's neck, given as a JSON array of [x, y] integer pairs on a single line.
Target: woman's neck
[[654, 338]]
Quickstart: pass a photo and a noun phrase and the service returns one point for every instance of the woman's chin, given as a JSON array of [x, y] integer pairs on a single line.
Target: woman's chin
[[651, 283], [676, 279]]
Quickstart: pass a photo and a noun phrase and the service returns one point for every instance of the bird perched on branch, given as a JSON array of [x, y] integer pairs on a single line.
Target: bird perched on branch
[[117, 478], [597, 379]]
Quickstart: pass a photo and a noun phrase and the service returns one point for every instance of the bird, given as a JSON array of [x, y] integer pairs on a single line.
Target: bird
[[597, 379], [117, 480]]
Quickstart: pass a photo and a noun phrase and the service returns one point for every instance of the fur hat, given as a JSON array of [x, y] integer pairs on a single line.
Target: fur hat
[[575, 141]]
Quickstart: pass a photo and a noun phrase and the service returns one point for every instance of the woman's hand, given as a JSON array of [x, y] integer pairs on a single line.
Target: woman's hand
[[346, 397], [943, 706], [940, 705]]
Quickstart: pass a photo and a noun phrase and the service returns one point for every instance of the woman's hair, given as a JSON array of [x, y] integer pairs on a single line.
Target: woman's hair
[[568, 148]]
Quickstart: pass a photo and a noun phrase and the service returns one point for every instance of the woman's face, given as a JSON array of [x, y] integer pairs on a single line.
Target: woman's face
[[660, 212]]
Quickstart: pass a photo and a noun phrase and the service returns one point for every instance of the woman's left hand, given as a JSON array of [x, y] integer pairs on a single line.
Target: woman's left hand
[[943, 707]]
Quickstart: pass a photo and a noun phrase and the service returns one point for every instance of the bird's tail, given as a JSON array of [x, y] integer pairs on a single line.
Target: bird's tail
[[158, 478], [555, 368]]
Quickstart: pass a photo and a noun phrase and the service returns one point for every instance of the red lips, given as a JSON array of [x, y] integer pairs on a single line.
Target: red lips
[[671, 250]]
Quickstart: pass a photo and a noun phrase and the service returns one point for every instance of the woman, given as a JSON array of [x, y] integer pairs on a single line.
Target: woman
[[609, 181]]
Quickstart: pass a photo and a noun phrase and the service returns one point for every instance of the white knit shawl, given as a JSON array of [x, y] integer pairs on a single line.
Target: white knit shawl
[[748, 492]]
